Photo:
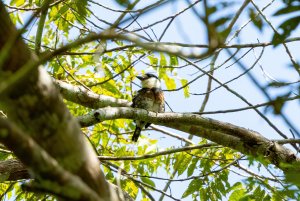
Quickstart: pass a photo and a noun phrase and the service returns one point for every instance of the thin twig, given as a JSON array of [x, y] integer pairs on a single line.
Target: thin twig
[[162, 153], [295, 64]]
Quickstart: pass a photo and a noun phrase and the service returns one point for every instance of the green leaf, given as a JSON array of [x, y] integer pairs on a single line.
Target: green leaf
[[153, 60], [256, 19], [148, 181], [20, 19], [287, 10], [290, 25], [193, 187], [204, 194], [81, 8], [192, 167], [293, 178], [221, 21], [287, 27], [211, 10], [258, 192], [170, 83], [173, 60], [62, 10], [186, 159], [220, 186], [267, 198], [186, 93], [124, 3], [277, 39], [238, 193], [163, 61], [18, 2]]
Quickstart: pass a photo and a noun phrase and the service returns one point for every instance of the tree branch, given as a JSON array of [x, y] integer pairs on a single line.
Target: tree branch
[[42, 115], [39, 32], [82, 96], [238, 138], [13, 170], [161, 153], [45, 168]]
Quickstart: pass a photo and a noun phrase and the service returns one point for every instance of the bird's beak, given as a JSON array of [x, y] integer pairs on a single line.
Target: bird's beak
[[140, 77]]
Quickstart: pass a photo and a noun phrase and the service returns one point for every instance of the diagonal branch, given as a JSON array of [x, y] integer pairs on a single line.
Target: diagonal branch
[[82, 96], [42, 115], [14, 170], [43, 165]]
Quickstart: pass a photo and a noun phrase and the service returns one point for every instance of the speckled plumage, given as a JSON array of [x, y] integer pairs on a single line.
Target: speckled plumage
[[151, 99]]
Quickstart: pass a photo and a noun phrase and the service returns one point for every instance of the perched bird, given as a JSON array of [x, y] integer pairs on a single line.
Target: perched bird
[[150, 98]]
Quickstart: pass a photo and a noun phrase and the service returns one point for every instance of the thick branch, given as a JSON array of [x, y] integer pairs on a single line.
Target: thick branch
[[43, 165], [82, 96], [238, 138], [13, 170], [33, 104]]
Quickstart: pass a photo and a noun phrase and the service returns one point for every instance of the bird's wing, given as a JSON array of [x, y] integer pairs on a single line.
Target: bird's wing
[[162, 101], [159, 99], [139, 100]]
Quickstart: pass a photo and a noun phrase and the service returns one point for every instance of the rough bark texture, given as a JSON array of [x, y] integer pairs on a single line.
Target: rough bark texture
[[244, 140], [241, 139], [34, 105], [12, 170], [84, 97]]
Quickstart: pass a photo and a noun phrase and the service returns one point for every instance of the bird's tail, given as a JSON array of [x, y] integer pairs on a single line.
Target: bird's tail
[[136, 134]]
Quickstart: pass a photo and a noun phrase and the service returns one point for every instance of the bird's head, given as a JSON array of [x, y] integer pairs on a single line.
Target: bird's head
[[149, 80]]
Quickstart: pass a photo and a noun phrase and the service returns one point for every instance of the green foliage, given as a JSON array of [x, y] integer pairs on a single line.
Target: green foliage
[[278, 103], [238, 191], [289, 25], [192, 167], [256, 19], [124, 3], [17, 2], [111, 73], [184, 160], [163, 60], [170, 83], [6, 190], [293, 178], [153, 60], [148, 181], [185, 86], [193, 187], [173, 60], [81, 6]]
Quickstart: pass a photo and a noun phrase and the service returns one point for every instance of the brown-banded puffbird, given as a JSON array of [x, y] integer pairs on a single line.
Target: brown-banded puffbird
[[150, 98]]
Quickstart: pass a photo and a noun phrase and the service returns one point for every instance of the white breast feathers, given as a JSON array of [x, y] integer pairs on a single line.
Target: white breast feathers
[[150, 83]]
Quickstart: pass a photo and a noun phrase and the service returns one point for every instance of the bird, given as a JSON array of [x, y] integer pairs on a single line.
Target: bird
[[150, 98]]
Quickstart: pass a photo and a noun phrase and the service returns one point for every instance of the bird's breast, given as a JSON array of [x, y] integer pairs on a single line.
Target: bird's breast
[[150, 99]]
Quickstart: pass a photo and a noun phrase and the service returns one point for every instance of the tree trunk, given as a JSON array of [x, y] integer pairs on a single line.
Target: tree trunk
[[32, 102]]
